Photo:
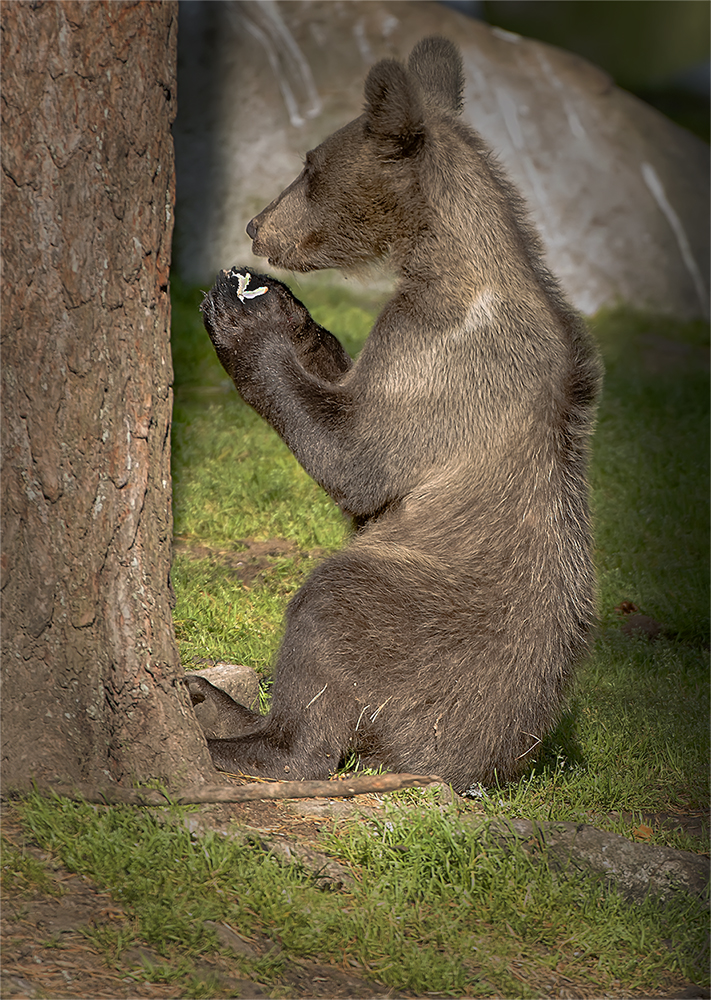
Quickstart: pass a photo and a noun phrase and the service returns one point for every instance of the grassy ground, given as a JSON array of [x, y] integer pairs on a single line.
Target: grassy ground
[[430, 909]]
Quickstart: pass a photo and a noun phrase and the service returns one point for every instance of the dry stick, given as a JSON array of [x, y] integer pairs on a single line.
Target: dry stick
[[242, 793]]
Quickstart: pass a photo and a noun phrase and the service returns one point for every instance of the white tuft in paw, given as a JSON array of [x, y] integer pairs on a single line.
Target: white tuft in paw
[[242, 283]]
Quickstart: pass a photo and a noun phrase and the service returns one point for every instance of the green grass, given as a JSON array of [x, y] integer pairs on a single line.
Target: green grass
[[650, 473], [219, 618], [433, 907], [22, 874]]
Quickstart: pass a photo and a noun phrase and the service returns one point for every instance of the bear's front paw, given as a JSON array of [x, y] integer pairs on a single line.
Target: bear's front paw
[[228, 304], [252, 319], [238, 313], [244, 307]]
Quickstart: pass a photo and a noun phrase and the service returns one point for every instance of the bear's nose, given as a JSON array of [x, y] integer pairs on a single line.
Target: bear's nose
[[252, 229]]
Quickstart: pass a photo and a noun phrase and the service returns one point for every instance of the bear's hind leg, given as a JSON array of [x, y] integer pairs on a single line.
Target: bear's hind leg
[[287, 749], [281, 745]]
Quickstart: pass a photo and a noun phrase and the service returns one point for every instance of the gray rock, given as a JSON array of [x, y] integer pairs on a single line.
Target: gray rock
[[636, 870], [327, 872], [618, 192]]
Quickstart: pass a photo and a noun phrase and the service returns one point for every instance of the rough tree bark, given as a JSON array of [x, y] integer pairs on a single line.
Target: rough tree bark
[[89, 662]]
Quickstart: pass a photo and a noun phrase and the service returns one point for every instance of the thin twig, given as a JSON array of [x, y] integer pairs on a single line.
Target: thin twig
[[204, 794]]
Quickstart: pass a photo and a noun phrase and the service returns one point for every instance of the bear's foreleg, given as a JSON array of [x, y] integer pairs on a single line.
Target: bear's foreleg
[[292, 372]]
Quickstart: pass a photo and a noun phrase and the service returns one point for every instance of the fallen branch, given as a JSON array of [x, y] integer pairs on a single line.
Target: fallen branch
[[210, 794]]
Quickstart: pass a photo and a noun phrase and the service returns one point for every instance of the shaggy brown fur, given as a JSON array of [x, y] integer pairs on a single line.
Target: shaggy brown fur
[[441, 639]]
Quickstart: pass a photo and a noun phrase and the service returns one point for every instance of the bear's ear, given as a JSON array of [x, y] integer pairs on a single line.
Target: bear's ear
[[437, 64], [393, 110]]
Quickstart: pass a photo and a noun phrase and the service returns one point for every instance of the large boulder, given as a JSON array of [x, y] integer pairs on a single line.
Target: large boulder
[[618, 192]]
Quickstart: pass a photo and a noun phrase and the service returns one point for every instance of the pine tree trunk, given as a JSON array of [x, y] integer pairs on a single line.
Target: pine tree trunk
[[89, 663]]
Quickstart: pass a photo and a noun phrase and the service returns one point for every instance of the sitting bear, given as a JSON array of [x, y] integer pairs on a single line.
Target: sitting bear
[[440, 640]]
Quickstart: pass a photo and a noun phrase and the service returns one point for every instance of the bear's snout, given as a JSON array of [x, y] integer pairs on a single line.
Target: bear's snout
[[252, 229]]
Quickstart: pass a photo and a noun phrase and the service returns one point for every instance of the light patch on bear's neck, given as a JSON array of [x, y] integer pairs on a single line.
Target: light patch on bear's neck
[[484, 309]]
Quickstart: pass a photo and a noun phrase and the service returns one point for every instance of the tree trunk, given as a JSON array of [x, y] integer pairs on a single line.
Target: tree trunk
[[89, 664]]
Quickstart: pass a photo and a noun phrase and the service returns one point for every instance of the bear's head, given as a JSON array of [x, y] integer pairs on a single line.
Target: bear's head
[[358, 194]]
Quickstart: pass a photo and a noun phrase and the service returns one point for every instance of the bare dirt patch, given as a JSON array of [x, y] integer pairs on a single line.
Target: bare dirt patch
[[248, 561]]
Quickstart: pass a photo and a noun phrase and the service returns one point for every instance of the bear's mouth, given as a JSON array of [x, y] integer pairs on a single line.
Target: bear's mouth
[[276, 259], [291, 265], [303, 256], [289, 261], [259, 250], [300, 255]]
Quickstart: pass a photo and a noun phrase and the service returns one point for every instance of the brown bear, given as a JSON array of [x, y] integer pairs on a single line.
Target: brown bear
[[441, 639]]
